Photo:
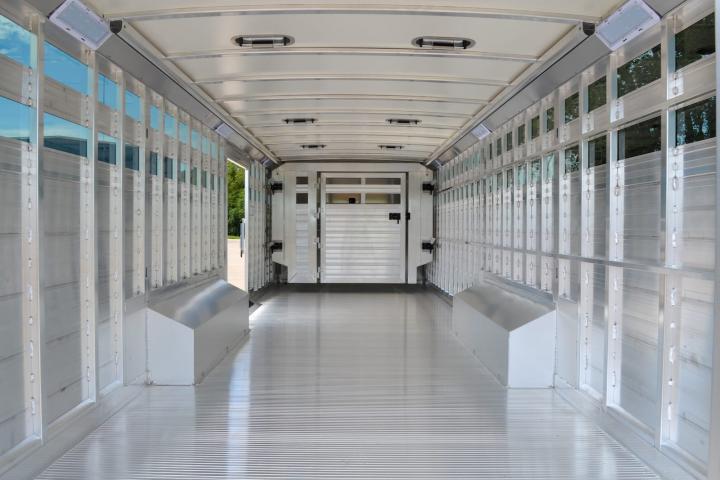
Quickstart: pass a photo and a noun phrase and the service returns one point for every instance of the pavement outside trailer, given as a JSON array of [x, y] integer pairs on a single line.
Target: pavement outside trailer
[[349, 382]]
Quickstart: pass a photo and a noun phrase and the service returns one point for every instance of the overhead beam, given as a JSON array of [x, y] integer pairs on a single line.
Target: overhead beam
[[294, 77], [347, 96], [366, 51], [342, 111], [312, 9]]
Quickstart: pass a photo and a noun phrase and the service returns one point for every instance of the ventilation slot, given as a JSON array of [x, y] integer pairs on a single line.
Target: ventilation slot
[[442, 43]]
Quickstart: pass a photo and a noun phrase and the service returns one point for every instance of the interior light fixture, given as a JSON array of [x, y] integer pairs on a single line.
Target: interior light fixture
[[300, 121], [313, 146], [390, 147], [481, 131], [626, 23], [82, 23], [262, 41], [443, 43], [403, 121]]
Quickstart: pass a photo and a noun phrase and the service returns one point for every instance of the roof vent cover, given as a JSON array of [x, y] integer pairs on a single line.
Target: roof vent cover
[[443, 43], [262, 41]]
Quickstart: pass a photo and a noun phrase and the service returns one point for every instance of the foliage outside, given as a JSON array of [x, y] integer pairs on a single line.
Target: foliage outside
[[236, 198]]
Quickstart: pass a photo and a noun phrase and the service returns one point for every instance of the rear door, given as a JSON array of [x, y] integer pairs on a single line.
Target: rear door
[[363, 228]]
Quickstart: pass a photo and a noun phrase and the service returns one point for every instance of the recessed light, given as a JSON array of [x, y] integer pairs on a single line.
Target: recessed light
[[443, 43]]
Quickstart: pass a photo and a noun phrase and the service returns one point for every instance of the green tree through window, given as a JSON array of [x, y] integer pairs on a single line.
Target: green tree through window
[[236, 198]]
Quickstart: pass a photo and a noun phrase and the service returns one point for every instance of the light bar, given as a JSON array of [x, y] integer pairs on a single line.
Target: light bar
[[443, 43], [299, 121], [312, 146], [390, 147], [626, 23], [82, 23]]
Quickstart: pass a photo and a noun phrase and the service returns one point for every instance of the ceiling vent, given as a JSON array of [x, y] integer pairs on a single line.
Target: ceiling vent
[[403, 121], [300, 121], [313, 146], [263, 41], [443, 43], [390, 147]]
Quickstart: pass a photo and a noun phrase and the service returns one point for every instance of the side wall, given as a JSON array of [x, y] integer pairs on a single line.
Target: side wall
[[603, 193]]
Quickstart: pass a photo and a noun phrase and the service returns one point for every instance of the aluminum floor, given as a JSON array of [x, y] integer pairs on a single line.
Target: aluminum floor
[[348, 384]]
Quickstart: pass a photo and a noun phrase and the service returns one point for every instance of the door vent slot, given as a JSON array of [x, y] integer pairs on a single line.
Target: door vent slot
[[300, 121], [391, 147], [403, 121], [262, 41], [313, 146], [443, 43]]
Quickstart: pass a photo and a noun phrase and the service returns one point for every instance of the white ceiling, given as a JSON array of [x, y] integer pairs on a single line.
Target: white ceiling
[[352, 65]]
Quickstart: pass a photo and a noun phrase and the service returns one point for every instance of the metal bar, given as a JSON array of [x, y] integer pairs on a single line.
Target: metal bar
[[309, 9], [295, 77], [714, 440], [269, 112], [344, 51], [117, 238], [33, 238]]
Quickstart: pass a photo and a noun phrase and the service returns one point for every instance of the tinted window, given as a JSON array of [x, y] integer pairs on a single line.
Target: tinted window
[[65, 69], [549, 164], [597, 94], [194, 176], [195, 139], [15, 41], [132, 105], [549, 119], [153, 160], [490, 151], [182, 177], [695, 122], [65, 136], [205, 145], [521, 135], [301, 198], [499, 180], [572, 160], [213, 150], [169, 125], [212, 181], [508, 141], [132, 157], [107, 92], [203, 179], [498, 146], [107, 149], [509, 177], [572, 107], [15, 119], [521, 175], [169, 168], [535, 127], [638, 72], [639, 139], [695, 42], [183, 133], [154, 117], [597, 152], [534, 173]]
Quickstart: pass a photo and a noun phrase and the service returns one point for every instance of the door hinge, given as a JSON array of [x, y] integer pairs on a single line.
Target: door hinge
[[407, 216]]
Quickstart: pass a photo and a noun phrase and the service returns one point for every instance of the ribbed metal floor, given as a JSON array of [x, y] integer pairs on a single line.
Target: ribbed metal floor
[[348, 385]]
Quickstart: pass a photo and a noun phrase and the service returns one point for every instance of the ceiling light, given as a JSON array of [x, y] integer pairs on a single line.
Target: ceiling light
[[299, 121], [403, 121], [313, 146], [481, 131], [443, 43], [626, 23], [390, 147], [82, 23], [263, 41]]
